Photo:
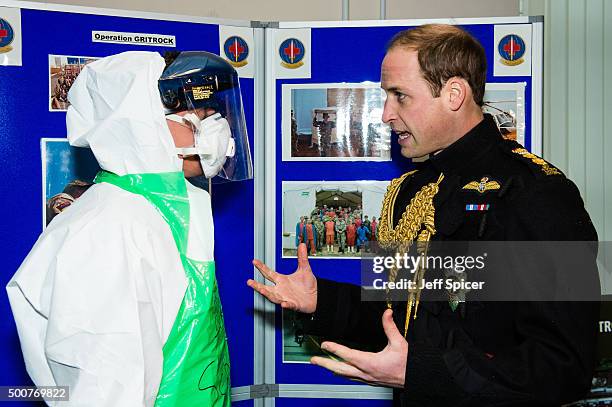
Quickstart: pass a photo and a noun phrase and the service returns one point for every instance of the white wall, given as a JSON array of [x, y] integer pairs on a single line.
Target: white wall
[[306, 10], [577, 89], [451, 8]]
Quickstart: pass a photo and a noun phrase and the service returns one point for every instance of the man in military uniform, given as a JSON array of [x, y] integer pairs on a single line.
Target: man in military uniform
[[320, 228], [475, 186], [325, 127], [341, 233], [316, 212]]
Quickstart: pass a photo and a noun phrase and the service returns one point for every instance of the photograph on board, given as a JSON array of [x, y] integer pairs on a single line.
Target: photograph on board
[[63, 70], [67, 173], [334, 122], [299, 347], [335, 219], [506, 103]]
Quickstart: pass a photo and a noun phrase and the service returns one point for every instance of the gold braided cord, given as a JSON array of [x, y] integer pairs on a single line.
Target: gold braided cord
[[419, 214], [546, 167], [417, 223], [386, 234]]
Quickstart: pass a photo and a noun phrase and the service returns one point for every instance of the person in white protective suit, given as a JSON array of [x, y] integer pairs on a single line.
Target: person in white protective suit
[[118, 298]]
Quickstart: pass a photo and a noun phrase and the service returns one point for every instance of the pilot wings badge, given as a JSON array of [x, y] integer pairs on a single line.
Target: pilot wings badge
[[482, 186]]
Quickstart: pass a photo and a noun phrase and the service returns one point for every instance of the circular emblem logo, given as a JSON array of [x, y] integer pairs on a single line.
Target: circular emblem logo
[[511, 48], [6, 34], [236, 51], [292, 53]]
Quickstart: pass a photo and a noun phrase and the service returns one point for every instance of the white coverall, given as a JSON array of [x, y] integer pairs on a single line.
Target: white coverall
[[95, 299]]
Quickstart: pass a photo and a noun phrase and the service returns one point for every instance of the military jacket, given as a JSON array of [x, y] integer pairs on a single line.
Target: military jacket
[[484, 353]]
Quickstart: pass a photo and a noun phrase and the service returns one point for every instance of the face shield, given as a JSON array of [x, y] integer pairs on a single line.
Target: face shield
[[201, 91]]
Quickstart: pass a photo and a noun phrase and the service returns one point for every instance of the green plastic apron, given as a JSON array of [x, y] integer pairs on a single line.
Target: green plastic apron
[[196, 359]]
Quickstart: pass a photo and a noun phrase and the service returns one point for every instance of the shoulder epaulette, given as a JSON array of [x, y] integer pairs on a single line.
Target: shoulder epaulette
[[546, 167], [538, 166]]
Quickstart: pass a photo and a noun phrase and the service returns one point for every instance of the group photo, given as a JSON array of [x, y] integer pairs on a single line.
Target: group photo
[[336, 220]]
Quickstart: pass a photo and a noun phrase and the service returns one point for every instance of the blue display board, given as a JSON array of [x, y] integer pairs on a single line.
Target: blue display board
[[351, 54], [338, 54], [27, 117]]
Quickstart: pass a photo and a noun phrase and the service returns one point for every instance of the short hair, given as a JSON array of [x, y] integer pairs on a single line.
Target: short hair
[[445, 51]]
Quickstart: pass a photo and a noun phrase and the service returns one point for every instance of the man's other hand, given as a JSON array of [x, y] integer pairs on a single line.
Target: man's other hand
[[385, 368]]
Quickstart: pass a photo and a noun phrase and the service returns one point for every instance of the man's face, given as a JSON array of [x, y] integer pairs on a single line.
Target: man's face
[[183, 136], [410, 109]]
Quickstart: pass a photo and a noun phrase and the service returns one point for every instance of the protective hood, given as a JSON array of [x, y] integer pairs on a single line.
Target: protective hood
[[115, 110]]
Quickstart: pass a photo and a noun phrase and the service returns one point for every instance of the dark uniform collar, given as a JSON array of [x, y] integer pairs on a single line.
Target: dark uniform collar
[[468, 148]]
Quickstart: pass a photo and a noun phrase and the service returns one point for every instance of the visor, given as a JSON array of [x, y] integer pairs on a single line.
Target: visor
[[204, 84]]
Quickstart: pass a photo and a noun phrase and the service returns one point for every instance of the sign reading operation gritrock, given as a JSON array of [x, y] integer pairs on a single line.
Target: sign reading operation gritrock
[[156, 40]]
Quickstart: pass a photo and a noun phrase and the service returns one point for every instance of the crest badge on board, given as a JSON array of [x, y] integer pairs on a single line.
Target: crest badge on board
[[236, 51], [292, 52]]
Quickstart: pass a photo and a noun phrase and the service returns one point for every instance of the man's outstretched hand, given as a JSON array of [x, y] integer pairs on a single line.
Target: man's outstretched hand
[[385, 368], [297, 291]]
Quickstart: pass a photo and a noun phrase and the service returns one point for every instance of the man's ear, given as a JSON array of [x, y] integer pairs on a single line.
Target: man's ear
[[456, 92]]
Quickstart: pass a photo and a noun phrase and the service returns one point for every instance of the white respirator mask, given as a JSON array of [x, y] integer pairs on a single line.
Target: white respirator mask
[[213, 141]]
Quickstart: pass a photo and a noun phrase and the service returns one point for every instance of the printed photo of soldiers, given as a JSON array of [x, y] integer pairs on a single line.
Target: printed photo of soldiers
[[334, 232], [63, 70], [330, 217], [334, 123]]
